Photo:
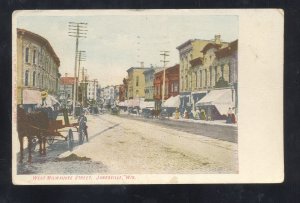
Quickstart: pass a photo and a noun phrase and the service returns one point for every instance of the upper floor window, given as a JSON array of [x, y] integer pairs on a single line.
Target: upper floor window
[[26, 77], [34, 57], [33, 79], [137, 81], [26, 54]]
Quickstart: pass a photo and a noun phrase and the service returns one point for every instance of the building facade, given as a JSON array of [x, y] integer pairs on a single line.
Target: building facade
[[37, 68], [136, 82], [171, 84], [196, 72], [149, 85], [66, 88], [215, 74], [91, 90], [108, 96]]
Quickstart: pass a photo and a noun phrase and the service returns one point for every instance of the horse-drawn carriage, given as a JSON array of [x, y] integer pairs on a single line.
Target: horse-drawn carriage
[[41, 126]]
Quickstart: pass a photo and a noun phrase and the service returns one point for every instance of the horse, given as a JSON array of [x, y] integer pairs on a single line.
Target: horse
[[31, 125]]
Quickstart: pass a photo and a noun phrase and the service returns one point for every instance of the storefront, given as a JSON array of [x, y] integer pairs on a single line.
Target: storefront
[[185, 102], [217, 103]]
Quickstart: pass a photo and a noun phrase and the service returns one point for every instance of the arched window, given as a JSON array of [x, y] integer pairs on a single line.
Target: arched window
[[201, 78], [205, 78], [216, 74], [33, 79], [210, 76], [26, 54], [34, 57], [26, 77], [38, 80]]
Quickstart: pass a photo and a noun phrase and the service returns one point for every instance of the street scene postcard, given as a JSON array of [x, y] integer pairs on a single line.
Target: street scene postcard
[[147, 96]]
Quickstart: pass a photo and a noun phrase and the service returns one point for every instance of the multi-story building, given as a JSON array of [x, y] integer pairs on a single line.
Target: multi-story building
[[66, 88], [108, 96], [37, 68], [136, 82], [171, 84], [217, 75], [196, 57], [91, 90], [149, 85], [122, 93]]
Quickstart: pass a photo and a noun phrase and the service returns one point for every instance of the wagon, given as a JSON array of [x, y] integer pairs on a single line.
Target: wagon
[[41, 126], [56, 127]]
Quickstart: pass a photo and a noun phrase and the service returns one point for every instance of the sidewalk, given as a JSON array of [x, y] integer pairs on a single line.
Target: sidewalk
[[215, 122]]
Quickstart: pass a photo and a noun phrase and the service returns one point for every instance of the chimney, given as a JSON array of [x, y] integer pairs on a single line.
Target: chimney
[[218, 39], [142, 64]]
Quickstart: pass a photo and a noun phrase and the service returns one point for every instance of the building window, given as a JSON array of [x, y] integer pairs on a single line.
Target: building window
[[205, 78], [26, 77], [196, 79], [33, 79], [175, 86], [230, 75], [200, 78], [137, 81], [216, 74], [210, 75], [186, 82], [38, 80], [34, 57], [26, 54], [222, 71]]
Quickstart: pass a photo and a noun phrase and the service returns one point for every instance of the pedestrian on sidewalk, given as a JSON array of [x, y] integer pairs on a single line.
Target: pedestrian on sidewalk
[[229, 116], [233, 118], [202, 115]]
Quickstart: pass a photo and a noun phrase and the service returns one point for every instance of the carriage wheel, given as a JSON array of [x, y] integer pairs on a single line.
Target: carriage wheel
[[50, 140], [81, 136], [70, 140]]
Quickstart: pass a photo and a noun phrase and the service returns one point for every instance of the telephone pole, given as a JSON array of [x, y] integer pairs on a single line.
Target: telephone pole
[[81, 57], [84, 86], [77, 30], [164, 54]]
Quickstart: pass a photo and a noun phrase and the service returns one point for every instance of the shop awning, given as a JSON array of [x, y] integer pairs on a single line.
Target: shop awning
[[172, 102], [146, 104], [31, 96], [222, 99]]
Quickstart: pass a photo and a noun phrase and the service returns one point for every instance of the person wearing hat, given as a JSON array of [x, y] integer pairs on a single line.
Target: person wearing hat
[[44, 95]]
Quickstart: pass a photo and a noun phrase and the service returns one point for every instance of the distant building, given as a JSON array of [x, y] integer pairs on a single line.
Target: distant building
[[122, 93], [108, 96], [91, 90], [37, 68], [136, 82], [66, 88]]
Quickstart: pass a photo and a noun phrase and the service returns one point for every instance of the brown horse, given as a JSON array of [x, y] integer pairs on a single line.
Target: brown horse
[[32, 125]]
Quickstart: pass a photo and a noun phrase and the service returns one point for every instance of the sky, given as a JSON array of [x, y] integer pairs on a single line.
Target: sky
[[115, 43]]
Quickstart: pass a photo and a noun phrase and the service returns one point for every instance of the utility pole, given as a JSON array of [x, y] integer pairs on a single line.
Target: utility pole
[[164, 54], [81, 57], [84, 86], [77, 30]]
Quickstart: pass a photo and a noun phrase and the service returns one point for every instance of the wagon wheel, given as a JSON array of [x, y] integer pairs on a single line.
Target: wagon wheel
[[70, 140], [81, 136], [50, 140]]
